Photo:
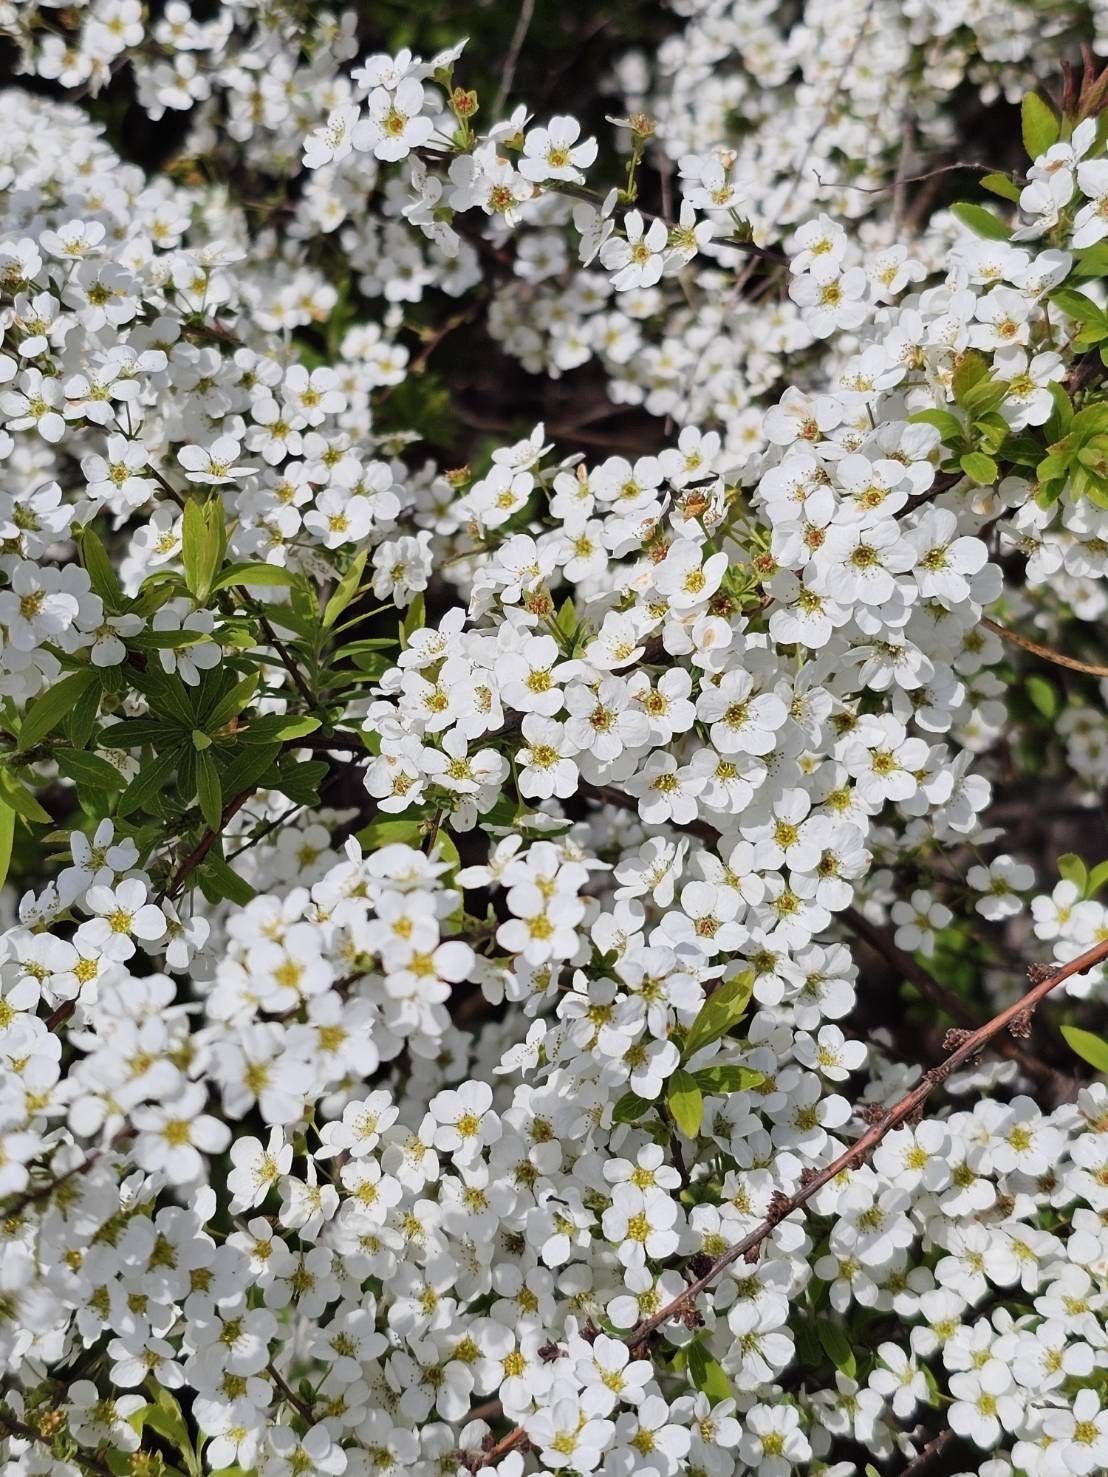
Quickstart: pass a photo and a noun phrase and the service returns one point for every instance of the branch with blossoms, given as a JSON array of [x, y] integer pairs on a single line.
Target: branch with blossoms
[[498, 603], [964, 1046]]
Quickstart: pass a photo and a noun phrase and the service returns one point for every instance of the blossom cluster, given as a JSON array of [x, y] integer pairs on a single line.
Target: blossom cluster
[[436, 939]]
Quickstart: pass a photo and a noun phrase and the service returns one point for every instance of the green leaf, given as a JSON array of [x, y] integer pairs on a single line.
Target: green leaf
[[1077, 305], [254, 575], [980, 221], [1039, 125], [231, 703], [166, 694], [949, 427], [89, 770], [1097, 878], [7, 836], [20, 799], [415, 618], [979, 468], [48, 710], [1073, 869], [81, 719], [707, 1374], [249, 766], [685, 1103], [1044, 695], [208, 790], [219, 882], [971, 368], [1002, 185], [837, 1347], [100, 572], [275, 728], [150, 779], [166, 1417], [1090, 1048], [402, 829], [300, 782], [346, 591], [630, 1107], [566, 620], [726, 1078], [203, 545], [722, 1010]]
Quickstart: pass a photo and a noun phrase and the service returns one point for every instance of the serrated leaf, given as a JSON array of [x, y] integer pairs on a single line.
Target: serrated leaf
[[1090, 1048], [1038, 124], [685, 1102], [346, 590], [48, 710], [980, 221], [722, 1010], [250, 764], [209, 792]]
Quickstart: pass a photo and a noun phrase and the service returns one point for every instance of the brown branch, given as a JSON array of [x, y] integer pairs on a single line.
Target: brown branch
[[1047, 653], [923, 1457], [971, 1045], [289, 1394], [205, 844], [930, 988], [10, 1426]]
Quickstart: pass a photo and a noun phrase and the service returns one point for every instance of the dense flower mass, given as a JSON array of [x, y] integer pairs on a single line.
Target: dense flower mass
[[473, 934]]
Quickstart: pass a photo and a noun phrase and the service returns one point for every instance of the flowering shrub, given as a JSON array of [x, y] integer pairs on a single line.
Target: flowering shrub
[[481, 940]]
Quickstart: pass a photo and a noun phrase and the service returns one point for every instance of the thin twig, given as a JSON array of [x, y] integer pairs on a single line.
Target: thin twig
[[515, 46], [973, 1043], [205, 844], [10, 1426], [930, 988], [933, 1448], [1048, 654]]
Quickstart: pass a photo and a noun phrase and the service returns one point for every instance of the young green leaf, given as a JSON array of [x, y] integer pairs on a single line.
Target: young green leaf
[[346, 590], [722, 1010], [208, 790], [1039, 125], [685, 1103], [980, 221], [48, 710], [101, 575], [7, 836], [1090, 1048]]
